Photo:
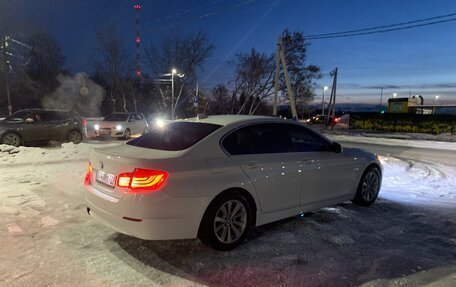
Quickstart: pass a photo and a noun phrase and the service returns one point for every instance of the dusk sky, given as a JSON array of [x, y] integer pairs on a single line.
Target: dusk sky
[[421, 60]]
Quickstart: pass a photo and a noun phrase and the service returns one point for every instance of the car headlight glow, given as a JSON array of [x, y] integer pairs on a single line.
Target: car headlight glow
[[160, 123], [96, 127], [118, 127]]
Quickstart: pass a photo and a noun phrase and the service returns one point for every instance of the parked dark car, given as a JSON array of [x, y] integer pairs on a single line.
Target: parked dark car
[[323, 119], [41, 125]]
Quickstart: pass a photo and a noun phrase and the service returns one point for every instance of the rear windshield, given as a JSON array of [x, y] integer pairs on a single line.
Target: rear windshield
[[175, 136]]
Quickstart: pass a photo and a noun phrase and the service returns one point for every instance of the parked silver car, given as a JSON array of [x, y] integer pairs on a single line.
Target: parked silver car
[[120, 125]]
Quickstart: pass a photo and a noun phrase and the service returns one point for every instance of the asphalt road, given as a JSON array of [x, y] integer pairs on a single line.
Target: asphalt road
[[445, 157]]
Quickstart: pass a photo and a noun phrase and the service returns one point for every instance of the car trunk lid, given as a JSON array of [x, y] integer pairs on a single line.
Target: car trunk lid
[[107, 163]]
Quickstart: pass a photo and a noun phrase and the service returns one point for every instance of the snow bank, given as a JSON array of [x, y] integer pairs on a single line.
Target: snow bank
[[418, 182], [67, 152]]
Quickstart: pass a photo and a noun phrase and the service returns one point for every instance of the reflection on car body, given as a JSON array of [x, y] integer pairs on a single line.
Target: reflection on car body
[[215, 178]]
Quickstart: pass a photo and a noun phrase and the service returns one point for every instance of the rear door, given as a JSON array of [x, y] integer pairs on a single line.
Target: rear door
[[265, 154], [58, 125], [141, 123], [132, 124]]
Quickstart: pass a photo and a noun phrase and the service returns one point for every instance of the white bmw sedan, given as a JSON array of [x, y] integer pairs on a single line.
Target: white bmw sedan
[[217, 177]]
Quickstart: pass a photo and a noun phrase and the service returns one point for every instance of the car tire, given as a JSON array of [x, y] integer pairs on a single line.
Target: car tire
[[75, 137], [226, 222], [127, 134], [12, 139], [368, 187]]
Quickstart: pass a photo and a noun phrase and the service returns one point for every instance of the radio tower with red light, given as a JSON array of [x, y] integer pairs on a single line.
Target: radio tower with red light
[[138, 42]]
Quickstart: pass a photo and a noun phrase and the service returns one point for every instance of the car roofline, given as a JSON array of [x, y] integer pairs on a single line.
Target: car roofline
[[227, 120]]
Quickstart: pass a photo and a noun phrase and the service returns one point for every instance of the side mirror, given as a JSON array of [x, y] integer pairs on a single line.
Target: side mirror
[[336, 147], [131, 120]]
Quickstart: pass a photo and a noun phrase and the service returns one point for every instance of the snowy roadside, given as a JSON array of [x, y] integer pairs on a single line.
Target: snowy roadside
[[451, 146], [407, 237]]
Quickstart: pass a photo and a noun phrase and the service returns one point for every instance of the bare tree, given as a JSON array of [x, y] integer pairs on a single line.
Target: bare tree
[[44, 61], [302, 76], [187, 55], [33, 63], [112, 63], [254, 76], [220, 100], [253, 80]]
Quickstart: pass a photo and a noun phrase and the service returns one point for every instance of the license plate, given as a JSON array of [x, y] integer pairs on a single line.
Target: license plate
[[106, 178], [105, 132]]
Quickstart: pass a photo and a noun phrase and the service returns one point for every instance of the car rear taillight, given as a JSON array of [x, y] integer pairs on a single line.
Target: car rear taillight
[[145, 179], [88, 176]]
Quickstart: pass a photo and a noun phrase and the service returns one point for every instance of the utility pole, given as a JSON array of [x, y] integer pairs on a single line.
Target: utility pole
[[6, 68], [195, 101], [280, 57], [137, 7], [332, 100], [323, 102], [381, 98], [173, 72]]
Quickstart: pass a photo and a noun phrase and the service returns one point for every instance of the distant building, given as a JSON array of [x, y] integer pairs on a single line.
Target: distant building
[[401, 105]]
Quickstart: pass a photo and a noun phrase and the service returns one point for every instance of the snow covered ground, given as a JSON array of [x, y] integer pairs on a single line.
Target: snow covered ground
[[408, 238], [450, 146]]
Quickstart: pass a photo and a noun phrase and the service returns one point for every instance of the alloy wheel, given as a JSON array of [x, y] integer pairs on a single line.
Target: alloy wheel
[[370, 186], [11, 139], [127, 134], [75, 137], [230, 221]]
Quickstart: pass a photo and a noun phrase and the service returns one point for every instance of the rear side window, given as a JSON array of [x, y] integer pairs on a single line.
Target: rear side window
[[117, 117], [57, 116], [259, 139], [175, 136], [273, 138]]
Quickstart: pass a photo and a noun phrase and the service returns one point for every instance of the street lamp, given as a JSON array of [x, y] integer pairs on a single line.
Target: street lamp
[[173, 72], [394, 95], [435, 101], [323, 101]]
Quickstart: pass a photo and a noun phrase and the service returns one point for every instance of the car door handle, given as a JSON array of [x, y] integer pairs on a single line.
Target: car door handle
[[253, 164]]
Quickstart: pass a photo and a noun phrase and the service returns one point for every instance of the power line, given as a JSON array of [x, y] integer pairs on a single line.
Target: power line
[[385, 26], [380, 29]]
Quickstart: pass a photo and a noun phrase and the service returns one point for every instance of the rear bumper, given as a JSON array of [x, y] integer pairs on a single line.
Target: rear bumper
[[154, 216]]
